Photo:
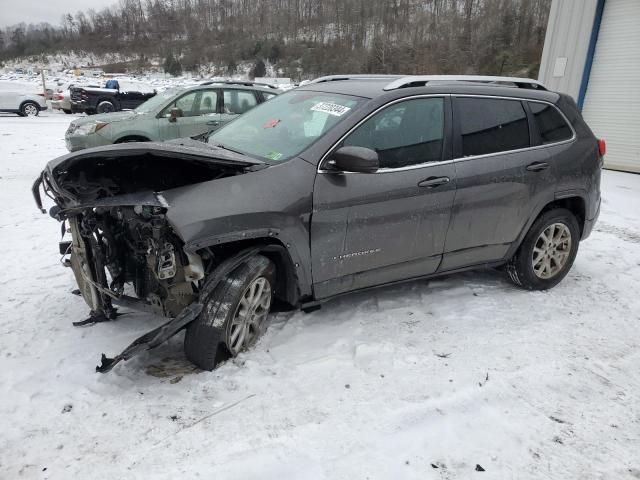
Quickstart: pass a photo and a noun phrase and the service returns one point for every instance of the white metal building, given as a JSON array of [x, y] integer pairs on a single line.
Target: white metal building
[[592, 52]]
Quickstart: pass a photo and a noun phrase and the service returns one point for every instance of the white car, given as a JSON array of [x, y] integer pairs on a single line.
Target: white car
[[24, 104]]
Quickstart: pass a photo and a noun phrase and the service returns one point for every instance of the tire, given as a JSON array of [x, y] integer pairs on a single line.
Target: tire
[[214, 335], [67, 111], [29, 109], [105, 106], [553, 258]]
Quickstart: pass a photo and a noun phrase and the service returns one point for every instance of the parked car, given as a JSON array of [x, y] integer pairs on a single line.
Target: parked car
[[341, 185], [174, 113], [61, 99], [25, 105], [91, 100]]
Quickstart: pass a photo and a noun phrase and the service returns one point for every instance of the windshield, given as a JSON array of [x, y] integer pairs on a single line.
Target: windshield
[[285, 125], [157, 101]]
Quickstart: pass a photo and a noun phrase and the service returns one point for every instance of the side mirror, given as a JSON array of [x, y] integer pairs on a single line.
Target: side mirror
[[355, 159], [174, 114]]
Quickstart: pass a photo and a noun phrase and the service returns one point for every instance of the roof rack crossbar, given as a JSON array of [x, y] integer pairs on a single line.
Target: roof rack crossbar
[[419, 80], [332, 78]]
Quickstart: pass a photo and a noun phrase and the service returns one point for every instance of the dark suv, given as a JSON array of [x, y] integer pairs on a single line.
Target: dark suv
[[344, 184]]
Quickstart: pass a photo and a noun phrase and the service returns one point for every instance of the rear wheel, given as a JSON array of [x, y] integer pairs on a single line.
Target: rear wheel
[[29, 109], [105, 107], [234, 315], [547, 252]]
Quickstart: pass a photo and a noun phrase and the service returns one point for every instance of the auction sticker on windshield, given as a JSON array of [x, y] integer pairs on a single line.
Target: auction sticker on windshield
[[330, 108]]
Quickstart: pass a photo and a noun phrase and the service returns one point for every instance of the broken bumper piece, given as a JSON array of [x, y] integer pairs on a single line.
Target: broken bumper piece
[[153, 338]]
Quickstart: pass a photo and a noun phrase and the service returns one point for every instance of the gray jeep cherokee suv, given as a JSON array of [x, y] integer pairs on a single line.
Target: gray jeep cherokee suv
[[344, 184]]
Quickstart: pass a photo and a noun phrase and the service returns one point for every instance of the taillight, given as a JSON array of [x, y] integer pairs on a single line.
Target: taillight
[[602, 147]]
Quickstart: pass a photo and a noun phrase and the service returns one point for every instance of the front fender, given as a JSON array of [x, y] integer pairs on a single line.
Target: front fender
[[273, 202]]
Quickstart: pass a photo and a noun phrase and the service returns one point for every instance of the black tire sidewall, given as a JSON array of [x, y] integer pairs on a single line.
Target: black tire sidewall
[[522, 260], [103, 103], [211, 330], [269, 273]]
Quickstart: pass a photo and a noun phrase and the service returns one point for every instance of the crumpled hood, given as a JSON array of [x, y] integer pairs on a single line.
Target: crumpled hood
[[106, 175], [179, 147]]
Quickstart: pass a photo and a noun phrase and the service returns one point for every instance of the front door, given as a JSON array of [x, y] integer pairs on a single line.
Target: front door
[[198, 114], [8, 101], [203, 117], [375, 228], [500, 180]]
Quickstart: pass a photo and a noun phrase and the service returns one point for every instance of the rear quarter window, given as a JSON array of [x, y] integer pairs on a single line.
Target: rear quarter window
[[551, 125], [489, 125]]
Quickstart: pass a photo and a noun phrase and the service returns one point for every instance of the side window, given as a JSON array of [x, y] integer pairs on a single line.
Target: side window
[[490, 125], [187, 103], [238, 101], [406, 133], [208, 102], [551, 125]]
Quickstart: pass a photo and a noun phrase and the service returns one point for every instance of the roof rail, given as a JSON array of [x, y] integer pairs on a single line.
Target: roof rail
[[239, 82], [420, 80], [332, 78]]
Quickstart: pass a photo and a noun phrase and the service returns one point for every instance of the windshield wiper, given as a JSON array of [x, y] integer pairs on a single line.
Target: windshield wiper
[[224, 147]]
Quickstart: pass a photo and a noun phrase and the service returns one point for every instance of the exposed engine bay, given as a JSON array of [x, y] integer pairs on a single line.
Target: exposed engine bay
[[115, 246], [122, 249]]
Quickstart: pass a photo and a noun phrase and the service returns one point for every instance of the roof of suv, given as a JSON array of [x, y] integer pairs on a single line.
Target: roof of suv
[[377, 85], [240, 85]]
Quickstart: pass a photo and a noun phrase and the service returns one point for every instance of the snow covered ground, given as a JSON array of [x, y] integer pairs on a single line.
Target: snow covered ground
[[421, 381]]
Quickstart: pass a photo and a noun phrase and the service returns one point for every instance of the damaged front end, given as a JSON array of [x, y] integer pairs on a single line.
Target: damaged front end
[[122, 249]]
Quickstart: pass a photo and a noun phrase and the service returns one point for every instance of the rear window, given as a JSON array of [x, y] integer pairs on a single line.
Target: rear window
[[490, 125], [551, 125]]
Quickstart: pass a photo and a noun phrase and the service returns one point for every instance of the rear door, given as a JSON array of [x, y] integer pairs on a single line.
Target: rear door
[[236, 102], [374, 228], [502, 175]]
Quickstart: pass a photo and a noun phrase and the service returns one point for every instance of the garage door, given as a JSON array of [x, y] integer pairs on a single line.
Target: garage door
[[612, 103]]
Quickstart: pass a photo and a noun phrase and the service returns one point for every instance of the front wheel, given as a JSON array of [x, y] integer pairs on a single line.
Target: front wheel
[[29, 109], [234, 315], [547, 251]]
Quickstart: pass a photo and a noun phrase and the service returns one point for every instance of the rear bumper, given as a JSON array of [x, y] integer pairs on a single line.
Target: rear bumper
[[589, 223]]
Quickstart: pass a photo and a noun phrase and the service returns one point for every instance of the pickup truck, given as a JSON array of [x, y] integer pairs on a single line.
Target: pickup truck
[[92, 100]]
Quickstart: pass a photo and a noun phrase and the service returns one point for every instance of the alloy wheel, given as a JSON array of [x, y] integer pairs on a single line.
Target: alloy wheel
[[30, 110], [551, 251], [250, 314]]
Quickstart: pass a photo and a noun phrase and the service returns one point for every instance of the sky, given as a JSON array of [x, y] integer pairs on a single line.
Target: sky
[[36, 11]]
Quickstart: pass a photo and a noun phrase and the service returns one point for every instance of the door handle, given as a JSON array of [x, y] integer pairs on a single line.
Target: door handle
[[432, 182], [537, 166], [213, 123]]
